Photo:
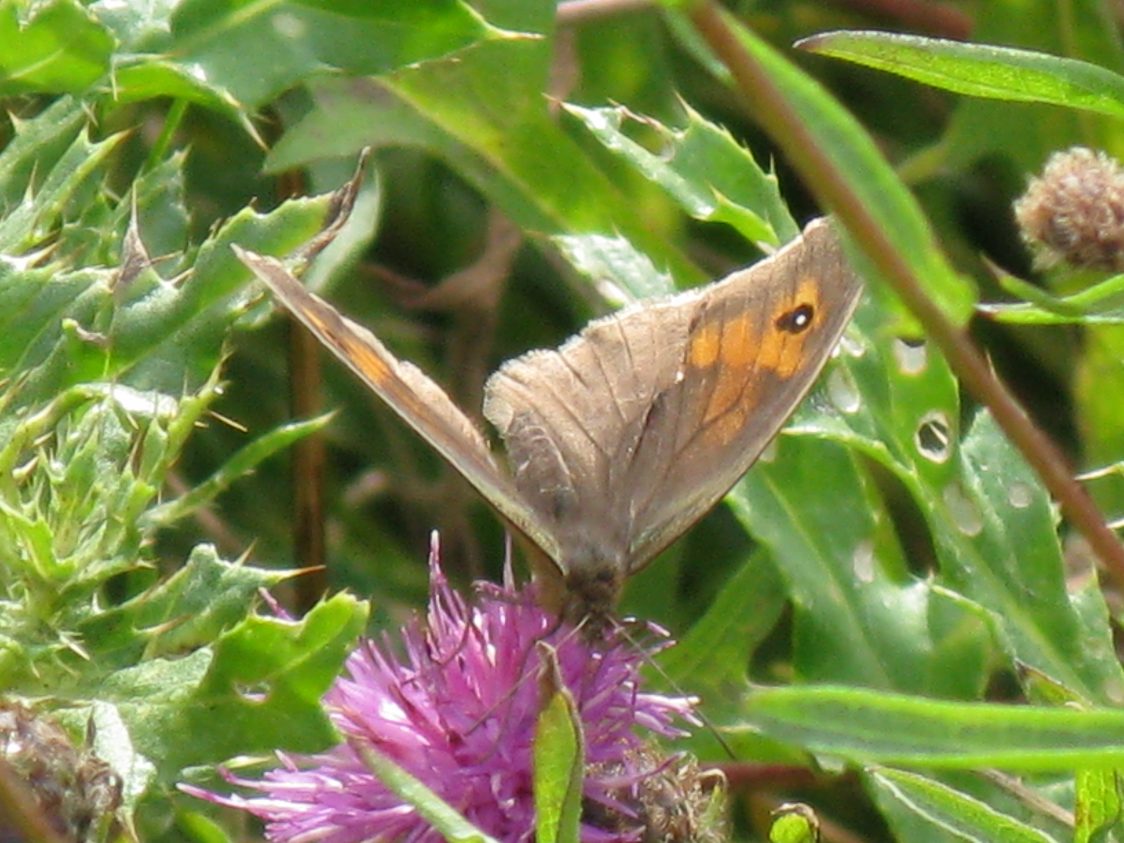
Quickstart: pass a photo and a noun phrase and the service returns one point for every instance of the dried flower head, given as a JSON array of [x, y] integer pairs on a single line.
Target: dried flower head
[[1074, 211], [458, 711], [676, 803], [74, 790]]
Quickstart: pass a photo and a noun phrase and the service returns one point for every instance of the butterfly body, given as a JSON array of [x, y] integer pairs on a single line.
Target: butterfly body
[[629, 432]]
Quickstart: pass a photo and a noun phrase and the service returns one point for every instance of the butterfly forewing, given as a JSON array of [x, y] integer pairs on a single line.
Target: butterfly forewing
[[755, 347], [420, 402]]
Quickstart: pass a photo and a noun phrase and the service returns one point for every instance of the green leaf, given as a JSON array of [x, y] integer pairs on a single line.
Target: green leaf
[[60, 326], [1019, 134], [559, 765], [187, 610], [865, 726], [35, 147], [26, 226], [1000, 547], [1098, 304], [242, 463], [59, 49], [258, 690], [147, 78], [211, 39], [953, 812], [842, 578], [1098, 806], [71, 520], [980, 70], [702, 167], [713, 655]]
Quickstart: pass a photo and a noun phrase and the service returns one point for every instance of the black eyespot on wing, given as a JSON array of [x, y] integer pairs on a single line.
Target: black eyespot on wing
[[797, 320]]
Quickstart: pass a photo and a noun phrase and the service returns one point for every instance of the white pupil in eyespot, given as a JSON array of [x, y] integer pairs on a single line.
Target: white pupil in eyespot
[[796, 320]]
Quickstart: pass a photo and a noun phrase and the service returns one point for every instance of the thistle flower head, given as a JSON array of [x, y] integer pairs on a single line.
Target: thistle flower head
[[1073, 212], [455, 704]]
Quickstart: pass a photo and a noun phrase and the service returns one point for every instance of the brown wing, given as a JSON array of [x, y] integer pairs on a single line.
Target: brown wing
[[419, 401], [628, 433], [572, 420], [754, 350]]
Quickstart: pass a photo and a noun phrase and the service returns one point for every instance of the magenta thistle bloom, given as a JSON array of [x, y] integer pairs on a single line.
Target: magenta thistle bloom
[[458, 711]]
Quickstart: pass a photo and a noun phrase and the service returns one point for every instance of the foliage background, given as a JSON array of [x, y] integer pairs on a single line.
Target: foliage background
[[142, 140]]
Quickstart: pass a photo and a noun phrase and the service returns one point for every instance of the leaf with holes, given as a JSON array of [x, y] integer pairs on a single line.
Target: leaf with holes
[[992, 527], [860, 617]]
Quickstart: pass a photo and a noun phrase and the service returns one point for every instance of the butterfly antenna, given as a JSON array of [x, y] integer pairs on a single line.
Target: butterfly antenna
[[707, 723]]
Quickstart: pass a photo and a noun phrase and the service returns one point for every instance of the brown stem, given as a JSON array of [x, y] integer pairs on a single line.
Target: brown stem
[[941, 19], [787, 129], [309, 460]]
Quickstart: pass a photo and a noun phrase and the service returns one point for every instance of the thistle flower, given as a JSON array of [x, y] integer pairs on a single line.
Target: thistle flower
[[457, 710]]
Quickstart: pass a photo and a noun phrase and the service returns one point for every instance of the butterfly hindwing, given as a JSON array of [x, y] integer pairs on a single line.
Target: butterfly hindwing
[[571, 420]]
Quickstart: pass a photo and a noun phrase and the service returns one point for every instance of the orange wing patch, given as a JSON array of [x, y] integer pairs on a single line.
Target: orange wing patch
[[727, 351], [731, 350], [705, 346], [363, 357], [737, 355]]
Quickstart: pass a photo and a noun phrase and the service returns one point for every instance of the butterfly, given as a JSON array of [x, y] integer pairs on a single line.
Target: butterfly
[[623, 437]]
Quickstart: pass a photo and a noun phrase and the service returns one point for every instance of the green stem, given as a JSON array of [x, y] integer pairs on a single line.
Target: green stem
[[172, 122]]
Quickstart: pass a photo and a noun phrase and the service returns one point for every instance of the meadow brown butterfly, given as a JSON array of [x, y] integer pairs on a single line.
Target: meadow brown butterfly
[[628, 433]]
